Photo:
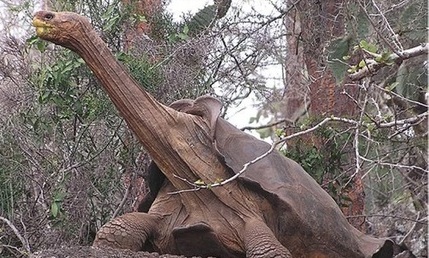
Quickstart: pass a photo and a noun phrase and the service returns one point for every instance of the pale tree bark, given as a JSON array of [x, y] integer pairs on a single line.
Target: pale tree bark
[[296, 99]]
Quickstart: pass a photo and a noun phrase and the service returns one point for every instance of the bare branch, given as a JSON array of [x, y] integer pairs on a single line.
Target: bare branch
[[373, 66], [245, 166], [199, 186], [411, 230], [422, 221], [24, 241], [394, 165], [405, 121], [400, 97], [356, 139], [122, 203], [263, 126], [384, 21]]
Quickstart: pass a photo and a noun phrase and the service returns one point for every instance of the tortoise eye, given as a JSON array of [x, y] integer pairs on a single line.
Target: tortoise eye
[[48, 16]]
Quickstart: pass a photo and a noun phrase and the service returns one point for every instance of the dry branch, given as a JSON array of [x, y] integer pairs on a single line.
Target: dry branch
[[23, 240], [199, 186], [263, 126], [373, 66]]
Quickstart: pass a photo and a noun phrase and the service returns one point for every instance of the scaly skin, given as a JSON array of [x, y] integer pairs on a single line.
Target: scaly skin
[[129, 231], [261, 243]]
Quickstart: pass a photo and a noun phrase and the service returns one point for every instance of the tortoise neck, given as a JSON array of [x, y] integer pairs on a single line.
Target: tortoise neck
[[145, 116], [160, 129], [114, 78]]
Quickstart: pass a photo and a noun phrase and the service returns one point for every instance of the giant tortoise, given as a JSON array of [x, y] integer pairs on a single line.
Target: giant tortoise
[[274, 209]]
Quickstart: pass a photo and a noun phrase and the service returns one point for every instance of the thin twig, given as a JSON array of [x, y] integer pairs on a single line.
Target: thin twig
[[402, 98], [389, 28], [124, 199], [394, 50], [356, 139], [245, 166], [411, 230], [24, 241], [263, 126], [422, 221], [405, 121], [394, 165], [197, 187]]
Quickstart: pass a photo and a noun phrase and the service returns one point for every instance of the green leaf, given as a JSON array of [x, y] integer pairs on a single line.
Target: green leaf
[[59, 196], [139, 18], [186, 29], [218, 180], [368, 46], [54, 209], [37, 42], [112, 22], [199, 182], [45, 96], [279, 132], [252, 119], [264, 132], [384, 58], [32, 40], [362, 64], [182, 36], [352, 69]]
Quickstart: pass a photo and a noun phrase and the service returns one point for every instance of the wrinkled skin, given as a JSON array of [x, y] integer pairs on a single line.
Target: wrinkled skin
[[274, 209]]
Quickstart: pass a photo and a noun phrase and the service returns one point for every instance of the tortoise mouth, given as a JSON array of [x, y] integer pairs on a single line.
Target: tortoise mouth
[[42, 27]]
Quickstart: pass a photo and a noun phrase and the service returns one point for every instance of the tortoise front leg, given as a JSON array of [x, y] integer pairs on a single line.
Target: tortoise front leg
[[260, 242], [129, 231]]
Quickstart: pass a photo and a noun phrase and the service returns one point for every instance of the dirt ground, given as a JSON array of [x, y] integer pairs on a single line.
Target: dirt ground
[[87, 251]]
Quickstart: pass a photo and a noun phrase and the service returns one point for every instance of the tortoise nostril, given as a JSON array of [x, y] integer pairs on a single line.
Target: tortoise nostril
[[48, 16]]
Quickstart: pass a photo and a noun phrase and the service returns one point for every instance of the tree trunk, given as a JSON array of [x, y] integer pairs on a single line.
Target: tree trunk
[[311, 27]]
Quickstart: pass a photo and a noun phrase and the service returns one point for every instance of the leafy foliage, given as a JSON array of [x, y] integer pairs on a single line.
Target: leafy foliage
[[142, 70], [325, 164], [202, 20]]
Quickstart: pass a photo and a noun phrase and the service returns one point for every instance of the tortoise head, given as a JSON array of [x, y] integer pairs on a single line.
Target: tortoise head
[[62, 28]]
